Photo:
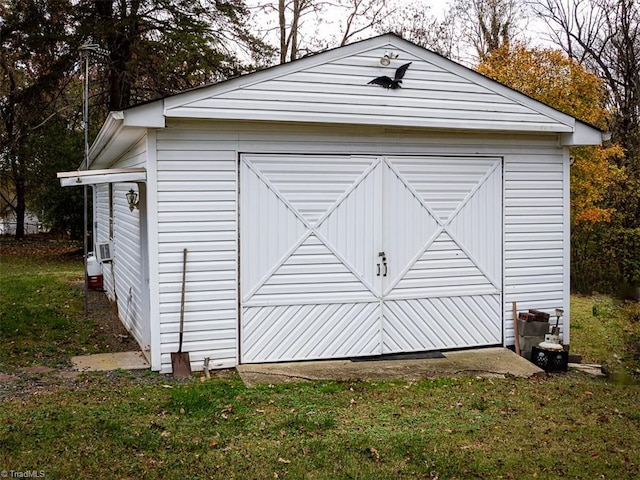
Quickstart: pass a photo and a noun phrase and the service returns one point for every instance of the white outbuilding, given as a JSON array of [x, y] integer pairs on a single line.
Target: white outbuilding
[[325, 216]]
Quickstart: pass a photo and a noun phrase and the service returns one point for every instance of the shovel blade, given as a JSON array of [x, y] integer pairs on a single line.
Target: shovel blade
[[180, 364]]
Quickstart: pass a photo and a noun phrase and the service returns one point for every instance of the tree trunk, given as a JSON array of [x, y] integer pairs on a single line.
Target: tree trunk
[[295, 22], [283, 31], [20, 209]]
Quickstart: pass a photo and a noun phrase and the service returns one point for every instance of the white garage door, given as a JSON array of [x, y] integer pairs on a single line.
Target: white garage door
[[349, 256]]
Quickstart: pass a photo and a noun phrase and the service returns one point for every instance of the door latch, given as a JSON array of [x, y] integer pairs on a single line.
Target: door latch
[[383, 259]]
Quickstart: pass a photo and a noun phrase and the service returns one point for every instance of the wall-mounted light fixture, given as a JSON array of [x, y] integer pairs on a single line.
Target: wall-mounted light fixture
[[132, 199], [385, 60]]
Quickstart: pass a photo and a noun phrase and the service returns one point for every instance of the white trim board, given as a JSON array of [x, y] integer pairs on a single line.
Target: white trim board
[[94, 177]]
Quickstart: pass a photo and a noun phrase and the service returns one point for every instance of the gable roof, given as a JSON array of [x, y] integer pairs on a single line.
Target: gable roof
[[333, 87]]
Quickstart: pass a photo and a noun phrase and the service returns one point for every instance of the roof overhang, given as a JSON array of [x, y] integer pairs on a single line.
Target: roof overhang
[[124, 129], [583, 134], [94, 177], [121, 130]]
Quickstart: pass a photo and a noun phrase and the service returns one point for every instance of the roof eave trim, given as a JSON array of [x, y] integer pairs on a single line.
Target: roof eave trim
[[127, 126], [583, 134], [149, 115], [94, 177], [111, 126], [355, 119]]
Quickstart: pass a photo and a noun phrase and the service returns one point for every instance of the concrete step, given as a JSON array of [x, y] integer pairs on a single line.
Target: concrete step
[[102, 362]]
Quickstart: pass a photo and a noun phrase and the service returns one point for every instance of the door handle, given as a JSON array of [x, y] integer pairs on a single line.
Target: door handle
[[383, 256]]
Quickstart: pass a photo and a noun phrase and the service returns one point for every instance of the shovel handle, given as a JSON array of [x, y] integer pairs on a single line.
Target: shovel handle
[[516, 334], [184, 279]]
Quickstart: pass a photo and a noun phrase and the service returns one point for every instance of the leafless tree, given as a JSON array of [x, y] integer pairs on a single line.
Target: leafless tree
[[309, 26], [468, 29], [604, 35], [416, 22], [362, 15], [488, 24]]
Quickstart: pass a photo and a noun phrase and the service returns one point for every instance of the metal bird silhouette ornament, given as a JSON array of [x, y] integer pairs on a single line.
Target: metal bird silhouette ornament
[[390, 83]]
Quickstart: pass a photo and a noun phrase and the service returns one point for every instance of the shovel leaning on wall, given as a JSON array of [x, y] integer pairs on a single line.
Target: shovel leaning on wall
[[180, 363]]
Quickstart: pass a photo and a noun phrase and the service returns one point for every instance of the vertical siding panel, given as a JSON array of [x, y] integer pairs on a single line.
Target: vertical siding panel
[[150, 251], [566, 292]]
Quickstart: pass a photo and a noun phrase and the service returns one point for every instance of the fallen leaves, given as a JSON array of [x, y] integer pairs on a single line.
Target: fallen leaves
[[375, 455], [228, 409]]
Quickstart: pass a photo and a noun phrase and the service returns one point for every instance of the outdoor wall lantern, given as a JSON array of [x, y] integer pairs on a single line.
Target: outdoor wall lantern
[[132, 199]]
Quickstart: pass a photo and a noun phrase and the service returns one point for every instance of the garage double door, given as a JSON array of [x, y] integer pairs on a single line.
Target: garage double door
[[344, 256]]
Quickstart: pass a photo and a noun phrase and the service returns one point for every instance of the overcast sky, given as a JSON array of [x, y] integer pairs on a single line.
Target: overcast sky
[[332, 18]]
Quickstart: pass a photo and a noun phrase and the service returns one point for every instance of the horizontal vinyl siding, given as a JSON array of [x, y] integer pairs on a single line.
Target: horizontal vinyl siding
[[197, 211], [339, 92], [197, 163], [123, 275], [135, 157], [101, 232], [534, 233], [127, 262]]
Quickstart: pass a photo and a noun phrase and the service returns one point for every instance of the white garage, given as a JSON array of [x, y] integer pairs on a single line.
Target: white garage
[[329, 217]]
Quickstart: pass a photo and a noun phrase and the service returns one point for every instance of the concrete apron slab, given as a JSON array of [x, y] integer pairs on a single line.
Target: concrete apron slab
[[491, 362], [102, 362]]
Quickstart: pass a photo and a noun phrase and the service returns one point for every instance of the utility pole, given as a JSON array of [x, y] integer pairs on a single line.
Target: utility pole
[[86, 51]]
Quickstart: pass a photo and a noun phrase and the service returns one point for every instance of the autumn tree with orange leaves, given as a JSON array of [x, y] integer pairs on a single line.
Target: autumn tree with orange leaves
[[553, 78]]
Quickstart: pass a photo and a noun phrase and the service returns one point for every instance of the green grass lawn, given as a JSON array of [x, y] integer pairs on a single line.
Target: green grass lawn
[[41, 319], [144, 425], [606, 332], [41, 308], [118, 427]]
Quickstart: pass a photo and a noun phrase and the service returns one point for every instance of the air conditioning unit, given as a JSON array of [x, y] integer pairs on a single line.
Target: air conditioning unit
[[105, 251]]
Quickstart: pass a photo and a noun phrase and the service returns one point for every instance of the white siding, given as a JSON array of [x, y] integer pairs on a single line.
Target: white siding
[[101, 231], [197, 211], [435, 93], [197, 177], [136, 156], [101, 213], [127, 263], [534, 233], [122, 277]]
